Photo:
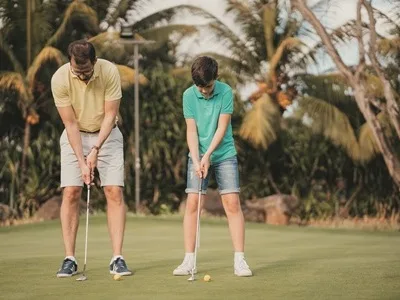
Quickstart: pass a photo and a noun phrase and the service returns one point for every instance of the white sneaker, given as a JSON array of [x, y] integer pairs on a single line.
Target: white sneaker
[[185, 268], [242, 269]]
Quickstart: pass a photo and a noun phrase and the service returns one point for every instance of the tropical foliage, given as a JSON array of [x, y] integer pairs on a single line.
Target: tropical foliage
[[321, 149]]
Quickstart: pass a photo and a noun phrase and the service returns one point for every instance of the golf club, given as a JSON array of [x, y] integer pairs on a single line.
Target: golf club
[[197, 244], [83, 276]]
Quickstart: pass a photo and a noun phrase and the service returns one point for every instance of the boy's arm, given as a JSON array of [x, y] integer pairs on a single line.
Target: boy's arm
[[223, 122], [192, 139]]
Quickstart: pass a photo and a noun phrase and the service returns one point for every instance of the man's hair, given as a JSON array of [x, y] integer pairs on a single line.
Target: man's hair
[[81, 50], [204, 70]]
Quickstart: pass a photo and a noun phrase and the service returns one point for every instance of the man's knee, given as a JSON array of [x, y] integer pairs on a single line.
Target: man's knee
[[113, 194], [72, 194]]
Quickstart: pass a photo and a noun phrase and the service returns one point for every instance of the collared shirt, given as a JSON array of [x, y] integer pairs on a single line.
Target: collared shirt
[[206, 114], [87, 100]]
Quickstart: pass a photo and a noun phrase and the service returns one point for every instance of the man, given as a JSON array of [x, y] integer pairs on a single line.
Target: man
[[87, 94], [207, 108]]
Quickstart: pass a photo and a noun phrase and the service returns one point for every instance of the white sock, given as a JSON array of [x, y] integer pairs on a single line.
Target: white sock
[[189, 256], [239, 256], [115, 257], [71, 258]]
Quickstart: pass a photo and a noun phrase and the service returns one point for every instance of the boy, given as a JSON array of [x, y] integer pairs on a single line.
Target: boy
[[207, 108]]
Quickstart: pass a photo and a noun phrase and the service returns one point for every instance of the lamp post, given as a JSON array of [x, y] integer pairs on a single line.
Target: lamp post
[[126, 37]]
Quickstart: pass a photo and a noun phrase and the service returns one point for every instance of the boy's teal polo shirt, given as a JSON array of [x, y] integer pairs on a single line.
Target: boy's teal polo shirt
[[206, 113]]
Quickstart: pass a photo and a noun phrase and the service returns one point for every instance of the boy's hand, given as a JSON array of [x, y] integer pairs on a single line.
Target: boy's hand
[[205, 165], [197, 168]]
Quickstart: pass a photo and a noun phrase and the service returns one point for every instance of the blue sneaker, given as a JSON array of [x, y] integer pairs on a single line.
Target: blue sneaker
[[68, 268], [118, 266]]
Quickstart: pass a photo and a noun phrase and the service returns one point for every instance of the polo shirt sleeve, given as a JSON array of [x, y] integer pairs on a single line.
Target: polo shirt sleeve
[[59, 90], [113, 85], [227, 102], [188, 112]]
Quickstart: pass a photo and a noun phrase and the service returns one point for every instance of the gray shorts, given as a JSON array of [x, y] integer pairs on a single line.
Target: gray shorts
[[110, 162]]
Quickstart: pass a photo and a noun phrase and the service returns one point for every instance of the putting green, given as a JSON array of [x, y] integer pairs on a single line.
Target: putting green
[[288, 263]]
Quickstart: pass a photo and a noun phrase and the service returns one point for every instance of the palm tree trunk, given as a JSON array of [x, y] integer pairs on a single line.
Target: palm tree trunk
[[391, 160], [25, 149]]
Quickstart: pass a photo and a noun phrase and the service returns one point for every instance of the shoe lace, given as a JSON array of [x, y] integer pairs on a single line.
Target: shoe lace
[[68, 264], [242, 264], [120, 264]]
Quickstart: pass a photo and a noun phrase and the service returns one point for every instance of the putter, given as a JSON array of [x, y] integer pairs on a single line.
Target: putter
[[83, 276], [197, 244]]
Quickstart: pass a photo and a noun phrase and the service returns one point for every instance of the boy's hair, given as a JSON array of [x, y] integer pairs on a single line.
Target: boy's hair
[[204, 70], [81, 50]]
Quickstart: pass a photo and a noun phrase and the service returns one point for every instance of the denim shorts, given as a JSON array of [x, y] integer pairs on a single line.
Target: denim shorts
[[226, 174]]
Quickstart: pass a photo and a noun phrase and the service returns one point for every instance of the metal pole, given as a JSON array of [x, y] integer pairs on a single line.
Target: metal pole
[[137, 154]]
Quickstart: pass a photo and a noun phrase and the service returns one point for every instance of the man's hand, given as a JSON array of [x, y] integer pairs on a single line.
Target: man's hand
[[91, 161], [205, 165], [87, 175]]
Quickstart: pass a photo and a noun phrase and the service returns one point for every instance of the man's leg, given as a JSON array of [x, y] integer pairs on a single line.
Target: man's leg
[[69, 216], [115, 217]]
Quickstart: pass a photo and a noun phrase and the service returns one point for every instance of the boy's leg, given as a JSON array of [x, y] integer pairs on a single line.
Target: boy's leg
[[233, 210], [227, 176], [190, 220]]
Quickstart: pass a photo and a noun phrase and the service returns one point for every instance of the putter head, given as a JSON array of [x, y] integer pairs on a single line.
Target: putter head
[[81, 278], [192, 278]]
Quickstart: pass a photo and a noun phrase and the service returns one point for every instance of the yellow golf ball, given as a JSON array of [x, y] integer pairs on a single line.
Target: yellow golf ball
[[117, 277], [207, 278]]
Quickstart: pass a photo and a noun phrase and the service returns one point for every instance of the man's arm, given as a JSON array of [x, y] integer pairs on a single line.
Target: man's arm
[[74, 137], [192, 139], [111, 109]]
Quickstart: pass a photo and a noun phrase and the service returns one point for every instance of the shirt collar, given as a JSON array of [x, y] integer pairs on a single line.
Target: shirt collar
[[217, 90]]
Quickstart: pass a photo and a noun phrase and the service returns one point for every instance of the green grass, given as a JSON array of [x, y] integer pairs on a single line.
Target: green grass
[[288, 263]]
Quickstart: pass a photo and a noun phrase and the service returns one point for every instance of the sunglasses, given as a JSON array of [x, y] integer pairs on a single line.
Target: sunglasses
[[83, 75]]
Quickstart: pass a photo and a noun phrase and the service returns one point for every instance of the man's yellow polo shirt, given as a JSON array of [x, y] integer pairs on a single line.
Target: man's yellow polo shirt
[[87, 100]]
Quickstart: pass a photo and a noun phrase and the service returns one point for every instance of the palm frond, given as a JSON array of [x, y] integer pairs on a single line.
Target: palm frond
[[13, 81], [389, 46], [261, 123], [117, 9], [76, 10], [275, 59], [368, 146], [128, 76], [5, 47], [166, 14], [331, 122], [162, 34], [48, 54]]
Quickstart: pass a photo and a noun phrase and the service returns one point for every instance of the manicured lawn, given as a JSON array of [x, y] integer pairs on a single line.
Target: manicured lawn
[[288, 263]]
